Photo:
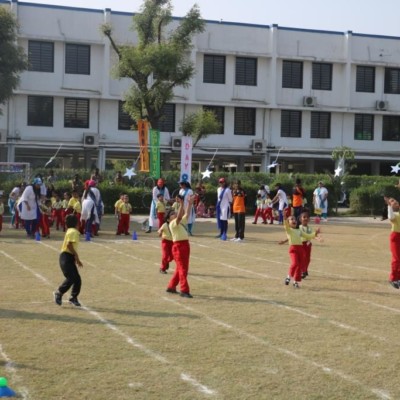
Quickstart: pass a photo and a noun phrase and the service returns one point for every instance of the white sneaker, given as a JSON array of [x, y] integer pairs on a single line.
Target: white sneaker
[[239, 240], [233, 239]]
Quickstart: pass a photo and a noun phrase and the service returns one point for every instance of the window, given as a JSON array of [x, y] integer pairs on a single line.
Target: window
[[322, 76], [76, 113], [364, 127], [125, 121], [320, 125], [214, 69], [246, 71], [365, 79], [220, 114], [290, 123], [40, 56], [391, 129], [167, 119], [40, 111], [77, 59], [392, 80], [245, 121], [292, 74]]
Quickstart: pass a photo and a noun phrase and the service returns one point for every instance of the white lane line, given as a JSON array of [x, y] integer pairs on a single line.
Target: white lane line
[[240, 332], [133, 342]]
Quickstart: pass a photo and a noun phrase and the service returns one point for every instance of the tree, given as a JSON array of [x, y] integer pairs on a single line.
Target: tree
[[12, 57], [199, 125], [159, 62]]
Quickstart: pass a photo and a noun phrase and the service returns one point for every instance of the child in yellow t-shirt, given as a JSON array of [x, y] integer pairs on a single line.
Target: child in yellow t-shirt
[[124, 211], [160, 209], [166, 242]]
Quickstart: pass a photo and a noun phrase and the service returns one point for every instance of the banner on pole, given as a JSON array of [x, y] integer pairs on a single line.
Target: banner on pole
[[186, 159], [143, 130], [155, 170]]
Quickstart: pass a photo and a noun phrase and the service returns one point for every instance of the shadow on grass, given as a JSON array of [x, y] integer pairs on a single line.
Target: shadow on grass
[[222, 276], [139, 313]]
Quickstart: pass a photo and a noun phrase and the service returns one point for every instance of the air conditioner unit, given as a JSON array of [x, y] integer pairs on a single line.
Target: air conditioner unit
[[90, 140], [3, 135], [258, 146], [176, 142], [382, 105], [309, 101]]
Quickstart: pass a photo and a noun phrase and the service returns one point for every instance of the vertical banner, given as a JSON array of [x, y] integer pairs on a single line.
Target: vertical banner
[[186, 159], [143, 129], [155, 170]]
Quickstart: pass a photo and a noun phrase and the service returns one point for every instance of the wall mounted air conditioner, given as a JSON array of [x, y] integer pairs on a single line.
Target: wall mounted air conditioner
[[90, 140], [176, 142], [309, 101], [382, 105], [258, 146]]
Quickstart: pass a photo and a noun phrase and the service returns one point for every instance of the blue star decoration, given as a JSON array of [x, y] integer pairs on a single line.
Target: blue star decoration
[[395, 168], [206, 174], [130, 172]]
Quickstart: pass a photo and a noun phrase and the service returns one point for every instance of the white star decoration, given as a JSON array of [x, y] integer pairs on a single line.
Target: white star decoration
[[395, 168], [273, 165], [206, 174], [338, 170], [130, 172]]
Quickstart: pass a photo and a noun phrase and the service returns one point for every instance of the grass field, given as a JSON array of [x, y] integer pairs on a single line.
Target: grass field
[[244, 335]]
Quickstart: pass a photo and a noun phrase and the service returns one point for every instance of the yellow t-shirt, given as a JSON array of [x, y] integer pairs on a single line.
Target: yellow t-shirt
[[178, 231], [396, 223], [57, 205], [118, 203], [65, 203], [125, 208], [165, 232], [160, 206], [295, 236], [307, 230], [71, 236], [78, 207]]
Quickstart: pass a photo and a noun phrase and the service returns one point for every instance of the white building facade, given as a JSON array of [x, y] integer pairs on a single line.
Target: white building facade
[[300, 93]]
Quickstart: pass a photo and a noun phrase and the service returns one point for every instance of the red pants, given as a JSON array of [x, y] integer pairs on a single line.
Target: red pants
[[44, 225], [259, 213], [296, 254], [123, 224], [160, 217], [268, 215], [181, 253], [166, 253], [306, 256], [395, 250], [57, 217]]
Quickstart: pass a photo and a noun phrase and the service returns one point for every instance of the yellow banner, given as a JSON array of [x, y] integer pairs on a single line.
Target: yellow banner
[[143, 130]]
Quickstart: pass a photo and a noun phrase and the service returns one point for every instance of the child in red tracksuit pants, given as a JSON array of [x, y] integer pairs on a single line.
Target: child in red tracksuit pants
[[166, 243], [180, 248], [57, 209], [124, 212], [296, 251], [304, 219], [394, 218]]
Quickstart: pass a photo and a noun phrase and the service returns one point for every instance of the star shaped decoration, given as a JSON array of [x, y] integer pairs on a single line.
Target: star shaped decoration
[[206, 174], [130, 172], [395, 168], [338, 170], [273, 165]]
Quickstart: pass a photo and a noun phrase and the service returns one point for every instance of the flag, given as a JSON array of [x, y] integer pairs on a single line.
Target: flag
[[143, 130], [155, 170], [186, 159]]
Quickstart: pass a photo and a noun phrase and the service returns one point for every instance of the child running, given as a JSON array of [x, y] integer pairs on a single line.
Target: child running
[[180, 248], [394, 219], [296, 250], [166, 242], [69, 260], [304, 220]]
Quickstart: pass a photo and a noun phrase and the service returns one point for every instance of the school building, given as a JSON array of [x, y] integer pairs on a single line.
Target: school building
[[285, 94]]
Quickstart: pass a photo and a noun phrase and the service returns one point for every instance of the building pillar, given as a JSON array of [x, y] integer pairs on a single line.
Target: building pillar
[[375, 168], [166, 162], [11, 153], [101, 159], [310, 166], [240, 164]]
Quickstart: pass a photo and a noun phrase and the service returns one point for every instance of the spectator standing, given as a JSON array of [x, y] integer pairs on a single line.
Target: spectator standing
[[298, 195], [320, 200], [239, 198]]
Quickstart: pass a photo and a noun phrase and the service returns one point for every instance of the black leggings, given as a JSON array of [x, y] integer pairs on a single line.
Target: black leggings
[[72, 277]]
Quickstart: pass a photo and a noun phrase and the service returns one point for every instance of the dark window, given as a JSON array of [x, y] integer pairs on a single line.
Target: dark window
[[77, 59], [392, 80], [76, 113], [214, 69], [125, 121], [320, 125], [40, 111], [365, 79], [322, 76], [245, 121], [292, 74], [290, 123], [364, 127], [167, 119], [391, 129], [220, 114], [40, 56], [246, 71]]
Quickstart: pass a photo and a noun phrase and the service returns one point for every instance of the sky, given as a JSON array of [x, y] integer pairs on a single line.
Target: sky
[[377, 17]]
